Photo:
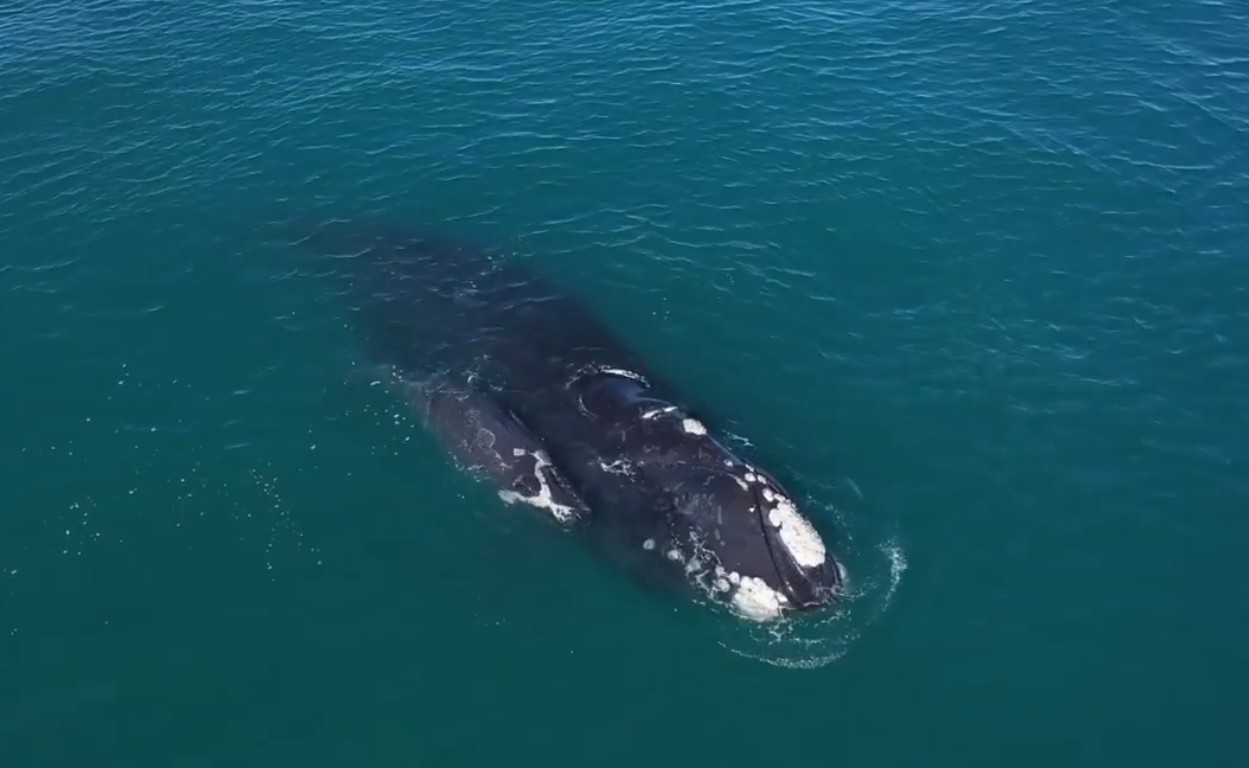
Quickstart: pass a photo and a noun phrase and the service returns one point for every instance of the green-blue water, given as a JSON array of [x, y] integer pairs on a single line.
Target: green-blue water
[[977, 275]]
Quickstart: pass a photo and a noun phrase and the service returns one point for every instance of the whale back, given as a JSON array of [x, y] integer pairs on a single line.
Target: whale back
[[430, 303]]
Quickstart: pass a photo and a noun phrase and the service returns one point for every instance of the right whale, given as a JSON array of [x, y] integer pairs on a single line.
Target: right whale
[[527, 389]]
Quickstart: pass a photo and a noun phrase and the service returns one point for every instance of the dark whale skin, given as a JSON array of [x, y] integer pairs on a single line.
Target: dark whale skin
[[526, 388]]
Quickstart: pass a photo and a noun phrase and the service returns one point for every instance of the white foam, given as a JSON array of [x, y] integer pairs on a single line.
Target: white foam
[[622, 372], [617, 467]]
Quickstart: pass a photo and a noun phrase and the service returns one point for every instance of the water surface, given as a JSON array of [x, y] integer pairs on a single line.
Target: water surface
[[973, 275]]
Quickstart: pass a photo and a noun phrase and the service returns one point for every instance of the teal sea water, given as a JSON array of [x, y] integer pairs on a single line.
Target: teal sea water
[[974, 275]]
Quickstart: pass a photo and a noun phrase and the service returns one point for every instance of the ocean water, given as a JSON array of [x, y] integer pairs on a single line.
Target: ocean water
[[974, 275]]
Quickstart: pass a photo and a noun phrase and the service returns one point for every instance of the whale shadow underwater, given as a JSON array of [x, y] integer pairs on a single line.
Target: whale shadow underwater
[[530, 392]]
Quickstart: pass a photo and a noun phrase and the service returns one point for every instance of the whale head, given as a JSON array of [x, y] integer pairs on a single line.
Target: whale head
[[740, 538], [717, 522]]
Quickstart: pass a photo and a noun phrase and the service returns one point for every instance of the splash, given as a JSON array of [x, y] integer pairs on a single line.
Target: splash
[[281, 531]]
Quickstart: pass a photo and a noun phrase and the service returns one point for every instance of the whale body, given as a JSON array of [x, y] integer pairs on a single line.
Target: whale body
[[530, 391]]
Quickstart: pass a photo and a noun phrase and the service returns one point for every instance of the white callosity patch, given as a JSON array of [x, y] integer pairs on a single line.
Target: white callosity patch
[[751, 597], [797, 534], [654, 412], [754, 599], [543, 499], [648, 545], [693, 427]]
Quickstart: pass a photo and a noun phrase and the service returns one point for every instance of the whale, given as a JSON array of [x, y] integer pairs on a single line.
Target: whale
[[528, 390]]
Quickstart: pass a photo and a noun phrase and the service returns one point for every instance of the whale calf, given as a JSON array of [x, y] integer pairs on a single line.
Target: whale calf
[[530, 391]]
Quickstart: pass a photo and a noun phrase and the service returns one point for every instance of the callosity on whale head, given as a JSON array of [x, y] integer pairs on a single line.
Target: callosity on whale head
[[726, 526]]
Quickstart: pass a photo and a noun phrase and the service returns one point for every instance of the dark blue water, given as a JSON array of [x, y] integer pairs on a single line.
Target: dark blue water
[[975, 276]]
